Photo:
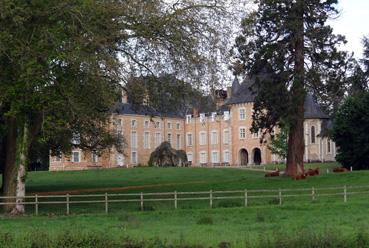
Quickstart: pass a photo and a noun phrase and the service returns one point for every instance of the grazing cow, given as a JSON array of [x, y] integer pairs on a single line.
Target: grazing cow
[[340, 169], [272, 174], [312, 172]]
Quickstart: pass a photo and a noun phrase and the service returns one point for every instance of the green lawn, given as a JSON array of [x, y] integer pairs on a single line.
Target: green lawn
[[195, 223]]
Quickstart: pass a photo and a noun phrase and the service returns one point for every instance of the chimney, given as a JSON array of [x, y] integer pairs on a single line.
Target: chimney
[[195, 112], [124, 96]]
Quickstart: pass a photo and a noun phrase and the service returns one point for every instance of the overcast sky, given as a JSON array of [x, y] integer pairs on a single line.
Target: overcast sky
[[353, 23]]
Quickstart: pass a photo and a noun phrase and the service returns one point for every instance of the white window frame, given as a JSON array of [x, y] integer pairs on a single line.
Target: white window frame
[[79, 156], [329, 146], [312, 136], [178, 126], [146, 143], [202, 142], [178, 141], [212, 140], [157, 124], [157, 139], [189, 140], [203, 158], [134, 159], [240, 133], [134, 139], [242, 114], [148, 124], [255, 135], [133, 123], [213, 115], [226, 158], [58, 157], [189, 157], [226, 138], [226, 115], [94, 157], [216, 160], [202, 117], [169, 138], [188, 119], [169, 125]]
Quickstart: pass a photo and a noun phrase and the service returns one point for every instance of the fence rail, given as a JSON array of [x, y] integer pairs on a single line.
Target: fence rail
[[246, 196]]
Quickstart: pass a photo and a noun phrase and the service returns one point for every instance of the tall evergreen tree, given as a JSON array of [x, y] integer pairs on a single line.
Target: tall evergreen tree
[[290, 49]]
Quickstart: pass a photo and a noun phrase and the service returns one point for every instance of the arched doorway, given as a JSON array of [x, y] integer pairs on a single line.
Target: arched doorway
[[243, 156], [257, 156]]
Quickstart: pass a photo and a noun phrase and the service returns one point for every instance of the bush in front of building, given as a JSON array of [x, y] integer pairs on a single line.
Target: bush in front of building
[[165, 156]]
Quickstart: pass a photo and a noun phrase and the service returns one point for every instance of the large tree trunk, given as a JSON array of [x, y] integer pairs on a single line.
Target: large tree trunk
[[296, 144], [18, 140]]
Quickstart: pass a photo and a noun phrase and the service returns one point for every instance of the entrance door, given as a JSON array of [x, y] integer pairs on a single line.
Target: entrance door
[[257, 156], [244, 157]]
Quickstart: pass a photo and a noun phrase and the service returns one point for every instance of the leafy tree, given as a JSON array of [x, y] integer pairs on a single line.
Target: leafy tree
[[279, 141], [350, 132], [61, 65], [289, 48]]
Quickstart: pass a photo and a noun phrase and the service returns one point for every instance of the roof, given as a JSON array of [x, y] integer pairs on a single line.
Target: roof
[[133, 109], [312, 109]]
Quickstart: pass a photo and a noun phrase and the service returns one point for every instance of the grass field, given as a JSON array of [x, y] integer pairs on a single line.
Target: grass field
[[233, 224]]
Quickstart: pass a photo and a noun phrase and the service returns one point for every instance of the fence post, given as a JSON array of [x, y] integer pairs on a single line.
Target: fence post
[[142, 201], [344, 194], [313, 193], [68, 204], [175, 199], [106, 203], [246, 203], [36, 204], [280, 196], [211, 198]]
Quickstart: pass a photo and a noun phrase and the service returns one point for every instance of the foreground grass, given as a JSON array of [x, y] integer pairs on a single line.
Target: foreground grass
[[238, 227]]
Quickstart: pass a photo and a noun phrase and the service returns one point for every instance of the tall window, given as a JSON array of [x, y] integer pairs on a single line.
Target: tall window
[[203, 158], [169, 138], [188, 119], [94, 157], [178, 141], [242, 114], [133, 123], [134, 157], [226, 156], [146, 140], [202, 139], [134, 139], [214, 138], [58, 157], [215, 157], [226, 136], [202, 117], [242, 133], [169, 125], [312, 135], [157, 124], [157, 139], [146, 124], [213, 115], [76, 158], [189, 139], [178, 126], [329, 146], [189, 157]]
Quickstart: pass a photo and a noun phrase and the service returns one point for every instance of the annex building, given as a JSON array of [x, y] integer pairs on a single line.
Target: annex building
[[219, 138]]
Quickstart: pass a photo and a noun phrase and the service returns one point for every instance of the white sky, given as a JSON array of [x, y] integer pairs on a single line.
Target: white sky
[[353, 23]]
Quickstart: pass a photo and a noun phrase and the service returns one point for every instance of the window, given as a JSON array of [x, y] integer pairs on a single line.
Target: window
[[312, 138], [76, 157], [226, 115], [214, 138], [329, 146], [169, 125], [134, 157], [178, 141], [242, 133], [157, 124], [146, 140], [226, 136], [189, 157], [202, 117], [58, 157], [189, 139], [76, 139], [94, 157], [133, 123], [188, 119], [202, 139], [178, 126], [133, 139], [119, 159], [203, 158], [146, 124], [213, 115], [157, 139], [169, 138], [215, 157], [255, 135], [242, 114], [226, 156]]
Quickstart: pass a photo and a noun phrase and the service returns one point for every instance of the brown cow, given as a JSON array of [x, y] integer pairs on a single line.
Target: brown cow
[[312, 172], [272, 174], [340, 169]]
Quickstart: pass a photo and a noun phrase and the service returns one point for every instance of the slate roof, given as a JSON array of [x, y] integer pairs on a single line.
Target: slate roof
[[130, 109], [242, 93]]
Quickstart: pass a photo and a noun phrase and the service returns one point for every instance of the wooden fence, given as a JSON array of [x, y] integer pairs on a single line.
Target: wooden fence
[[174, 198]]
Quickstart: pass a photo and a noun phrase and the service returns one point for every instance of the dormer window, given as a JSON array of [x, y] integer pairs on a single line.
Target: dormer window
[[188, 119], [226, 115], [133, 123], [202, 117], [213, 115]]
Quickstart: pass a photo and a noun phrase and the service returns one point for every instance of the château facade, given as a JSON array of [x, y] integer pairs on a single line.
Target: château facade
[[219, 138]]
